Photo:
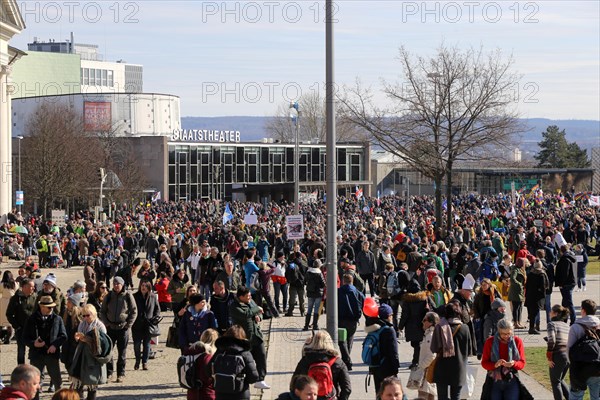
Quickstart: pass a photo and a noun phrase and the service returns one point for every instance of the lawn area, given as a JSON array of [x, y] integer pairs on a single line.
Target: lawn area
[[593, 267], [537, 367]]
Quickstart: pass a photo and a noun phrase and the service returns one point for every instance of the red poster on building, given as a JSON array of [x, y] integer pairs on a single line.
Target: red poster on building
[[97, 116]]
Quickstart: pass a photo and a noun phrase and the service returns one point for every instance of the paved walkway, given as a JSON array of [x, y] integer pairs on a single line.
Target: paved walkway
[[285, 340]]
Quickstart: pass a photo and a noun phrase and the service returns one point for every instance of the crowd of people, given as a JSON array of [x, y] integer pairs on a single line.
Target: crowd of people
[[446, 291]]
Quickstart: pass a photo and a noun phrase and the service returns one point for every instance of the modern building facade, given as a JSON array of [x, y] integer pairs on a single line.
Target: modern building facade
[[11, 24]]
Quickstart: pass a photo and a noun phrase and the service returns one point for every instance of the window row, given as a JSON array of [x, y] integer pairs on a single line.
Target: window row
[[97, 77]]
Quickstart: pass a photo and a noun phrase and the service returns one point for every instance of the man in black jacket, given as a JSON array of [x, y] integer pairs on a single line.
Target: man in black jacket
[[564, 278], [44, 334], [294, 274], [20, 307]]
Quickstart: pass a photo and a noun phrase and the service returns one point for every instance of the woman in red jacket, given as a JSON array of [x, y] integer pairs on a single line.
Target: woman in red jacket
[[503, 357], [164, 297]]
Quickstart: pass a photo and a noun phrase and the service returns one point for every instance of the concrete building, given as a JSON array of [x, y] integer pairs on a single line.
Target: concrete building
[[126, 114], [11, 24]]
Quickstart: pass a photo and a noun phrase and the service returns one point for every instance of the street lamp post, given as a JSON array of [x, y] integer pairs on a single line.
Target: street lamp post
[[295, 116], [20, 138]]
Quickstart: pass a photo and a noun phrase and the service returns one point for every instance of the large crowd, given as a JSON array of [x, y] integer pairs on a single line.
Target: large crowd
[[446, 290]]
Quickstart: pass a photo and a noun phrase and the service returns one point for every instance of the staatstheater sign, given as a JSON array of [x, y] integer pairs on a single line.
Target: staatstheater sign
[[205, 135]]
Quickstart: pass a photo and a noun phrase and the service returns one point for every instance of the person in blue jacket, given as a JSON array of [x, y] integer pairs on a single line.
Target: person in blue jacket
[[350, 304], [196, 319]]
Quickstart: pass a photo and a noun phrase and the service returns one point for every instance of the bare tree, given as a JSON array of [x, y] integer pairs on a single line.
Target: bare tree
[[312, 123], [59, 161], [455, 106]]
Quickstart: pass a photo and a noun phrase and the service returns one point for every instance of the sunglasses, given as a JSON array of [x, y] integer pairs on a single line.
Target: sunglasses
[[85, 315]]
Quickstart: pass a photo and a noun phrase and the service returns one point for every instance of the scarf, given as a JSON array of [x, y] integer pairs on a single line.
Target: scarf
[[442, 337], [501, 373], [387, 258], [85, 327]]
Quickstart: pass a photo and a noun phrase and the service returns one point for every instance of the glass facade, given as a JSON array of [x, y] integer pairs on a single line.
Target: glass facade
[[213, 171]]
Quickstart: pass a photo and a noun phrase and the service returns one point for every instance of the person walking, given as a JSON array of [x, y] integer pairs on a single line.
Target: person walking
[[366, 265], [280, 284], [245, 313], [350, 304], [503, 358], [381, 321], [415, 305], [535, 295], [234, 344], [320, 349], [295, 275], [196, 319], [490, 322], [20, 307], [582, 263], [516, 291], [315, 285], [145, 324], [482, 305], [564, 278], [118, 313], [427, 391], [44, 334], [93, 351], [584, 374], [556, 352], [452, 343], [220, 301]]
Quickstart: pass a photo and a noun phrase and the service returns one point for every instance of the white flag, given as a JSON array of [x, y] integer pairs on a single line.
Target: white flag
[[595, 201]]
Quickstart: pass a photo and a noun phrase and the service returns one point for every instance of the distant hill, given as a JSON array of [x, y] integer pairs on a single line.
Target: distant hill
[[585, 132]]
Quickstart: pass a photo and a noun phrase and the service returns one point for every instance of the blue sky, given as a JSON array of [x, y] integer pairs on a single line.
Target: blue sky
[[246, 58]]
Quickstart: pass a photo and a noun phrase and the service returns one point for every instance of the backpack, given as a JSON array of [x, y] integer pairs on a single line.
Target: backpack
[[255, 282], [321, 372], [392, 285], [587, 348], [228, 373], [186, 372], [371, 353]]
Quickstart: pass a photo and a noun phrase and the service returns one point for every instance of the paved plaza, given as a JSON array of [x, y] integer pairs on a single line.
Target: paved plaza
[[285, 339]]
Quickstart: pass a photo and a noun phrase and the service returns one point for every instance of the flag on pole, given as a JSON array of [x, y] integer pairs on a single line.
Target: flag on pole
[[156, 196], [594, 201], [227, 215], [359, 193]]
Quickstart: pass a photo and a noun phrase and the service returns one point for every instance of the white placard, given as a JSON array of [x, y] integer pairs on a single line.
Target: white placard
[[538, 222], [251, 219], [58, 217], [295, 227], [579, 258]]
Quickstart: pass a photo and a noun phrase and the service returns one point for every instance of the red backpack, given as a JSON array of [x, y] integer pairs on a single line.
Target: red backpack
[[321, 372]]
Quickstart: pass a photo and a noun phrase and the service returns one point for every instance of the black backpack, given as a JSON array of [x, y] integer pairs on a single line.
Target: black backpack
[[228, 373], [587, 348]]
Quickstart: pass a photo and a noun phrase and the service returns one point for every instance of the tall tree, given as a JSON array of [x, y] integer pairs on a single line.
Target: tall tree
[[59, 161], [455, 106], [556, 152], [312, 123]]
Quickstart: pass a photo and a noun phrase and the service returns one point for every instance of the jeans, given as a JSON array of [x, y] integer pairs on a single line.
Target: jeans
[[346, 347], [296, 292], [143, 352], [395, 304], [368, 278], [517, 310], [557, 376], [120, 338], [204, 290], [260, 358], [313, 307], [593, 384], [283, 289], [21, 347], [567, 300], [548, 308], [53, 365], [505, 390], [581, 275], [442, 392]]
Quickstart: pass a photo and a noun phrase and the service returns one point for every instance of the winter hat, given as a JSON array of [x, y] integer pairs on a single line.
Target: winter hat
[[51, 279], [76, 299], [414, 287], [119, 280], [496, 304], [385, 311]]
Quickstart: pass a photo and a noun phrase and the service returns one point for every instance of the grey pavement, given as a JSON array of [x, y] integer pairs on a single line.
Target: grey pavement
[[285, 339]]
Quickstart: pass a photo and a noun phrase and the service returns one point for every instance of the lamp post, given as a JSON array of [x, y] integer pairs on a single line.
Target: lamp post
[[20, 138], [295, 117]]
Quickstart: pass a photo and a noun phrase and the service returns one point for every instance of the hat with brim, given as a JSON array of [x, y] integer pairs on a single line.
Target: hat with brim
[[47, 301]]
